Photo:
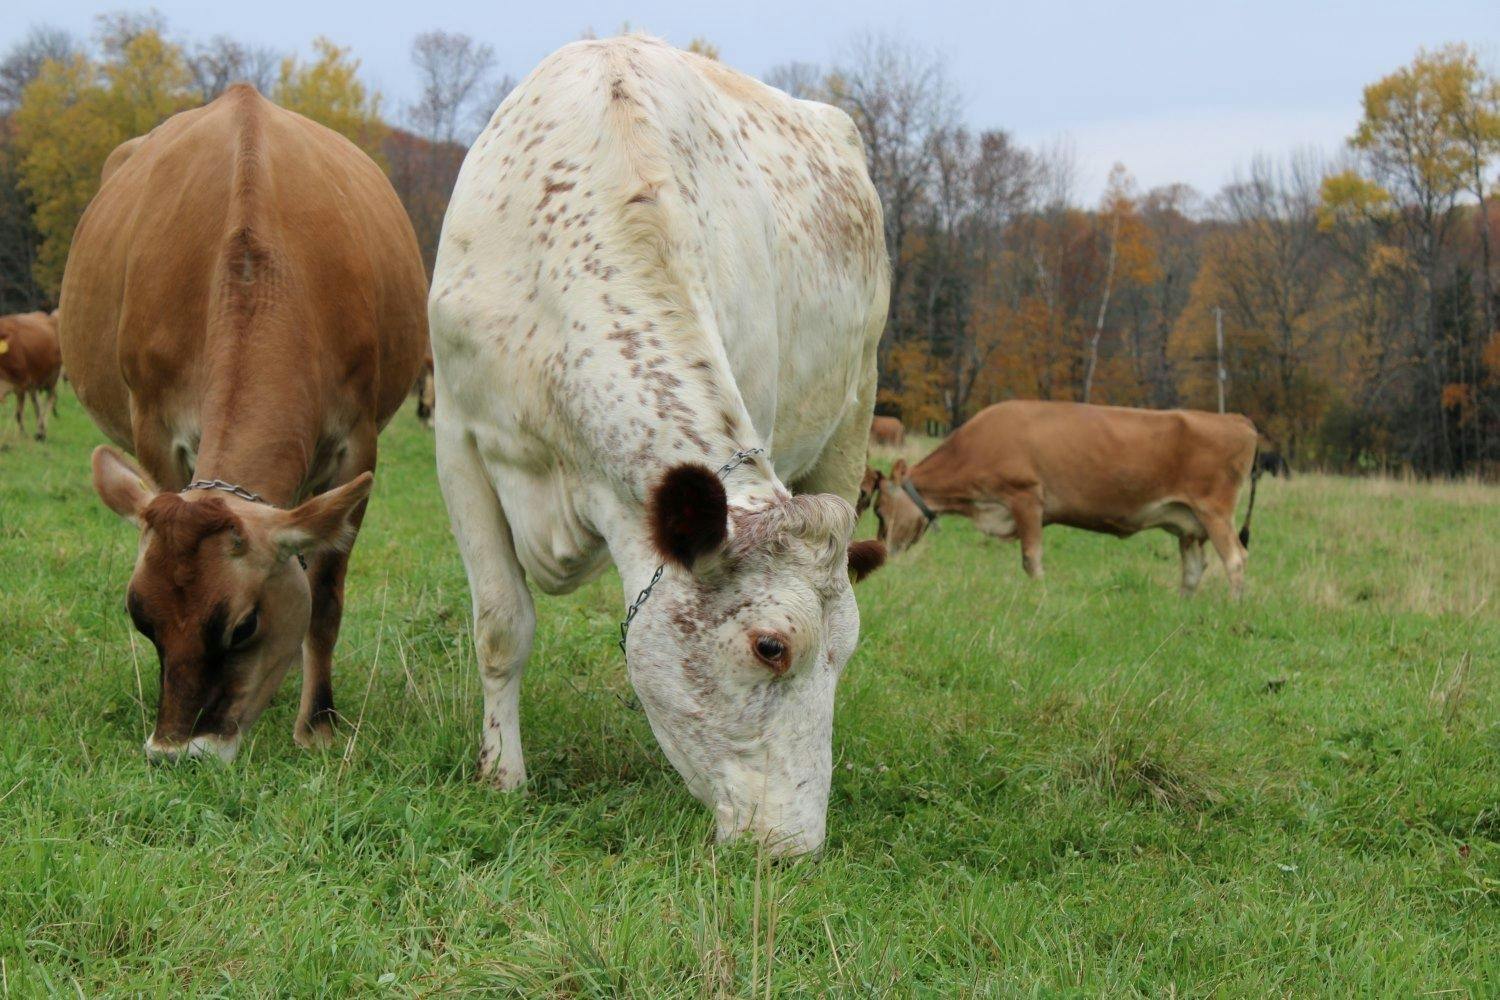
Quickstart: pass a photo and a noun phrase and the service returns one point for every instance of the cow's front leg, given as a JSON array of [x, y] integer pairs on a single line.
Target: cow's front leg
[[1193, 563], [325, 580], [504, 617]]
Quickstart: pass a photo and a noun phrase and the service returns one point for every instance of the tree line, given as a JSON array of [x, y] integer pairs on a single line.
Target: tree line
[[1354, 296]]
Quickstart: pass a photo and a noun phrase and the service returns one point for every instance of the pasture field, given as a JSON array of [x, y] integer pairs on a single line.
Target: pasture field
[[1086, 786]]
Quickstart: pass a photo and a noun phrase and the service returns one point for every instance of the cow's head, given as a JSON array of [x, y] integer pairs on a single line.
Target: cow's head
[[902, 523], [867, 488], [219, 591], [737, 652]]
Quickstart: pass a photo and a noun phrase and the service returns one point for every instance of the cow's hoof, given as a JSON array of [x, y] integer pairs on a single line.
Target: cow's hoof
[[318, 736], [502, 779]]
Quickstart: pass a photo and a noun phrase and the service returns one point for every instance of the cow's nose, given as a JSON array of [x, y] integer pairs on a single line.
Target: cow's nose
[[206, 745], [161, 752]]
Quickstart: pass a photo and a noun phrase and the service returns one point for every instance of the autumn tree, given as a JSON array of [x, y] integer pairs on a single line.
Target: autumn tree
[[221, 62], [23, 63], [329, 91], [1266, 270], [1427, 131], [74, 114], [1129, 257]]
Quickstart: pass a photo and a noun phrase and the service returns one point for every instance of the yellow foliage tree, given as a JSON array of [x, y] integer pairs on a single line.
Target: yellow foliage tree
[[328, 90], [70, 119]]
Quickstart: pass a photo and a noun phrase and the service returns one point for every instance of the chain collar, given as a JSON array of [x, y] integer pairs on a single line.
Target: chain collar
[[735, 461], [916, 498], [237, 491], [230, 488]]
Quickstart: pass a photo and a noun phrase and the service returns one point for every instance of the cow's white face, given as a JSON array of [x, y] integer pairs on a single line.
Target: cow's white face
[[737, 652]]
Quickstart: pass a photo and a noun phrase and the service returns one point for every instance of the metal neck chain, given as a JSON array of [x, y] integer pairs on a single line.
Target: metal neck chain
[[230, 488], [735, 461], [916, 498], [238, 491]]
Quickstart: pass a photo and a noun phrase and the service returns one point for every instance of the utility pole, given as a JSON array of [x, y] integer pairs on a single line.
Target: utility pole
[[1219, 336]]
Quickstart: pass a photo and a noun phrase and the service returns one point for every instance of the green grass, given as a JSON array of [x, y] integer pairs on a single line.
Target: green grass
[[1086, 786]]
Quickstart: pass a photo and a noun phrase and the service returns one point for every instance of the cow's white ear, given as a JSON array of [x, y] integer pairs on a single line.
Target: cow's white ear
[[121, 484], [689, 514], [325, 521]]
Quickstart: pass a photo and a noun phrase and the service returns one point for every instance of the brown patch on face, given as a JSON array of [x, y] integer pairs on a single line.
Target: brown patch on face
[[178, 601]]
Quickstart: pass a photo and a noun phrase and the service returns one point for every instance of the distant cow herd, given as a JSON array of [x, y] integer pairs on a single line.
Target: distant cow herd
[[653, 330]]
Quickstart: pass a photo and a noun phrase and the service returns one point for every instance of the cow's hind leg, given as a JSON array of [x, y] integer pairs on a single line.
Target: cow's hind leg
[[1193, 562], [1227, 544], [1027, 511], [504, 617], [39, 411], [20, 412], [325, 580]]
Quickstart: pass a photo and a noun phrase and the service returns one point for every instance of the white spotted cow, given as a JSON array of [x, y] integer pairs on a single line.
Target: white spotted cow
[[652, 264]]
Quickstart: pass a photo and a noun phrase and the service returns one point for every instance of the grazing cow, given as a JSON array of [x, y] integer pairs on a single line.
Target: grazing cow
[[244, 309], [30, 365], [1019, 465], [887, 431], [653, 268], [867, 487]]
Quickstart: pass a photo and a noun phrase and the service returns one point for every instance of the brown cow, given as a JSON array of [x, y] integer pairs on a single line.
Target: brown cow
[[30, 365], [244, 309], [867, 487], [887, 431], [1019, 465]]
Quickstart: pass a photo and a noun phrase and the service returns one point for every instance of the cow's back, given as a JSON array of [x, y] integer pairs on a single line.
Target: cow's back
[[626, 168], [223, 216]]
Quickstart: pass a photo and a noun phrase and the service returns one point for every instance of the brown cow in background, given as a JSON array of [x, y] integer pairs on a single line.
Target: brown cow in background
[[244, 308], [1019, 465], [30, 365], [887, 431]]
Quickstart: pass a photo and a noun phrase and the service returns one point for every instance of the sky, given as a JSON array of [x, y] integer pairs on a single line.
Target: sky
[[1175, 91]]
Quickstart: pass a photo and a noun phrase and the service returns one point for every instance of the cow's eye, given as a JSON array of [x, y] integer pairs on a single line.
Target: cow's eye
[[245, 630], [770, 648]]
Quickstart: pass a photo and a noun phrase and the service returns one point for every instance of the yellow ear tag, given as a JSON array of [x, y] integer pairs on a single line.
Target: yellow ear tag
[[4, 346]]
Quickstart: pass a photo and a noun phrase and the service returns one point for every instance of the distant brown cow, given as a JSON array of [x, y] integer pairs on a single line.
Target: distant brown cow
[[1019, 465], [867, 487], [887, 431], [30, 364], [244, 308]]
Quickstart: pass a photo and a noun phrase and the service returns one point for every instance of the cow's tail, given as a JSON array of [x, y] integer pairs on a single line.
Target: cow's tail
[[1250, 509]]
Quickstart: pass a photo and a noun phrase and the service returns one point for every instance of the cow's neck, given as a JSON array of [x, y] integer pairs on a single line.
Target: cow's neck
[[943, 492], [255, 428], [672, 399]]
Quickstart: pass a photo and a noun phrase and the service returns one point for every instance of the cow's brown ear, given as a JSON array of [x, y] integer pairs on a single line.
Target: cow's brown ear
[[898, 470], [121, 484], [689, 514], [324, 522], [865, 557]]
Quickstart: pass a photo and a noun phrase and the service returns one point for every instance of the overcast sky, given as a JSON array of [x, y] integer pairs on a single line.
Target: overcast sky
[[1175, 91]]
